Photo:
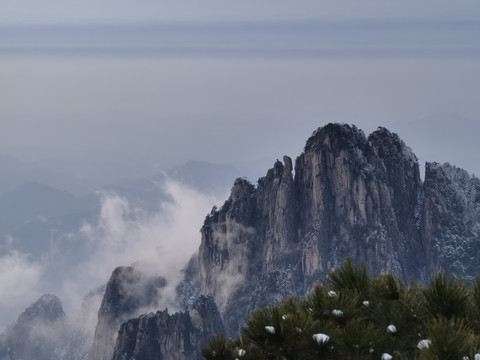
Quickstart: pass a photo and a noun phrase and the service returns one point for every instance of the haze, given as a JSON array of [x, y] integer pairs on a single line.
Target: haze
[[100, 91], [115, 90]]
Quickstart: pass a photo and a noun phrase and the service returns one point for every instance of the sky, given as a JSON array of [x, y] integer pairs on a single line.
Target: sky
[[113, 89], [85, 85]]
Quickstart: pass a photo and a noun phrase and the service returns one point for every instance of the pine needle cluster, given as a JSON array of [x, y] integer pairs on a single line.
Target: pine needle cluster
[[358, 317]]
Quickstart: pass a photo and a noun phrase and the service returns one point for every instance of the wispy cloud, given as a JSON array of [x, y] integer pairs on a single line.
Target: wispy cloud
[[19, 278], [159, 243]]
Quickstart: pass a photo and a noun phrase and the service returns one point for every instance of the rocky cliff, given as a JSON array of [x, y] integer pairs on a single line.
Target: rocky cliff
[[350, 195], [159, 335], [451, 220], [346, 195], [129, 292], [38, 331]]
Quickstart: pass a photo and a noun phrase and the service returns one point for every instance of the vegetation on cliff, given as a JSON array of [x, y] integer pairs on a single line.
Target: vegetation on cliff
[[355, 316]]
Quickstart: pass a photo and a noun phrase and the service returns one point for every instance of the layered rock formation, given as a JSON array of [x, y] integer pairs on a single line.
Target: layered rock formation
[[350, 196]]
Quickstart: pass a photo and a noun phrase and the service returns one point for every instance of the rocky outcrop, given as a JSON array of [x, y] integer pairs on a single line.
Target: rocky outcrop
[[159, 335], [247, 241], [351, 195], [188, 289], [347, 195], [38, 331], [451, 220], [129, 293], [345, 204]]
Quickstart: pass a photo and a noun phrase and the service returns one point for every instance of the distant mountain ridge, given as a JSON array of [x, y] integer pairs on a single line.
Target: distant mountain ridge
[[38, 331], [32, 200], [16, 172]]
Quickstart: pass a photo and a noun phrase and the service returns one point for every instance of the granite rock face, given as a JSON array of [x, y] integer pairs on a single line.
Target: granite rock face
[[160, 335], [189, 288], [350, 195], [129, 293], [351, 192], [451, 220]]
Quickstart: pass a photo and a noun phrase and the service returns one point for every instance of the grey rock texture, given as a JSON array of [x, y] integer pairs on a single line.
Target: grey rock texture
[[37, 332], [346, 195], [159, 335], [188, 289], [350, 195], [451, 220], [129, 293]]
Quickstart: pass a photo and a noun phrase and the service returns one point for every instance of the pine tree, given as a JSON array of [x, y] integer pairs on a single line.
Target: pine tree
[[356, 317]]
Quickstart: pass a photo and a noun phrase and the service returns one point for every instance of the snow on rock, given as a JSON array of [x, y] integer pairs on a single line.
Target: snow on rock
[[452, 213], [337, 313], [424, 344], [321, 338], [392, 329], [380, 212], [270, 329]]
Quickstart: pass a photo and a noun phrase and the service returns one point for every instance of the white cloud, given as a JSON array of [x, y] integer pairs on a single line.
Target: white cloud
[[157, 243], [19, 277]]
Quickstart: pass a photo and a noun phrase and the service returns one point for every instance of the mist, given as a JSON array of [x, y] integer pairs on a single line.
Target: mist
[[19, 276], [92, 93], [157, 243], [108, 100]]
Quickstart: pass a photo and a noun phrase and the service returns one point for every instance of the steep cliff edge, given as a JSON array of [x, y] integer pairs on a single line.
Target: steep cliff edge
[[249, 243], [350, 195], [129, 292], [451, 220]]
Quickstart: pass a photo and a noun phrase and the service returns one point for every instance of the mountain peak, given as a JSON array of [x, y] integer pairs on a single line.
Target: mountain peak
[[47, 308], [391, 146], [128, 293], [335, 134], [350, 196], [37, 332]]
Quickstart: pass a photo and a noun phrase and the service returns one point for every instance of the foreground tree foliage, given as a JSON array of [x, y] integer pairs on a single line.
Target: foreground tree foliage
[[358, 317]]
